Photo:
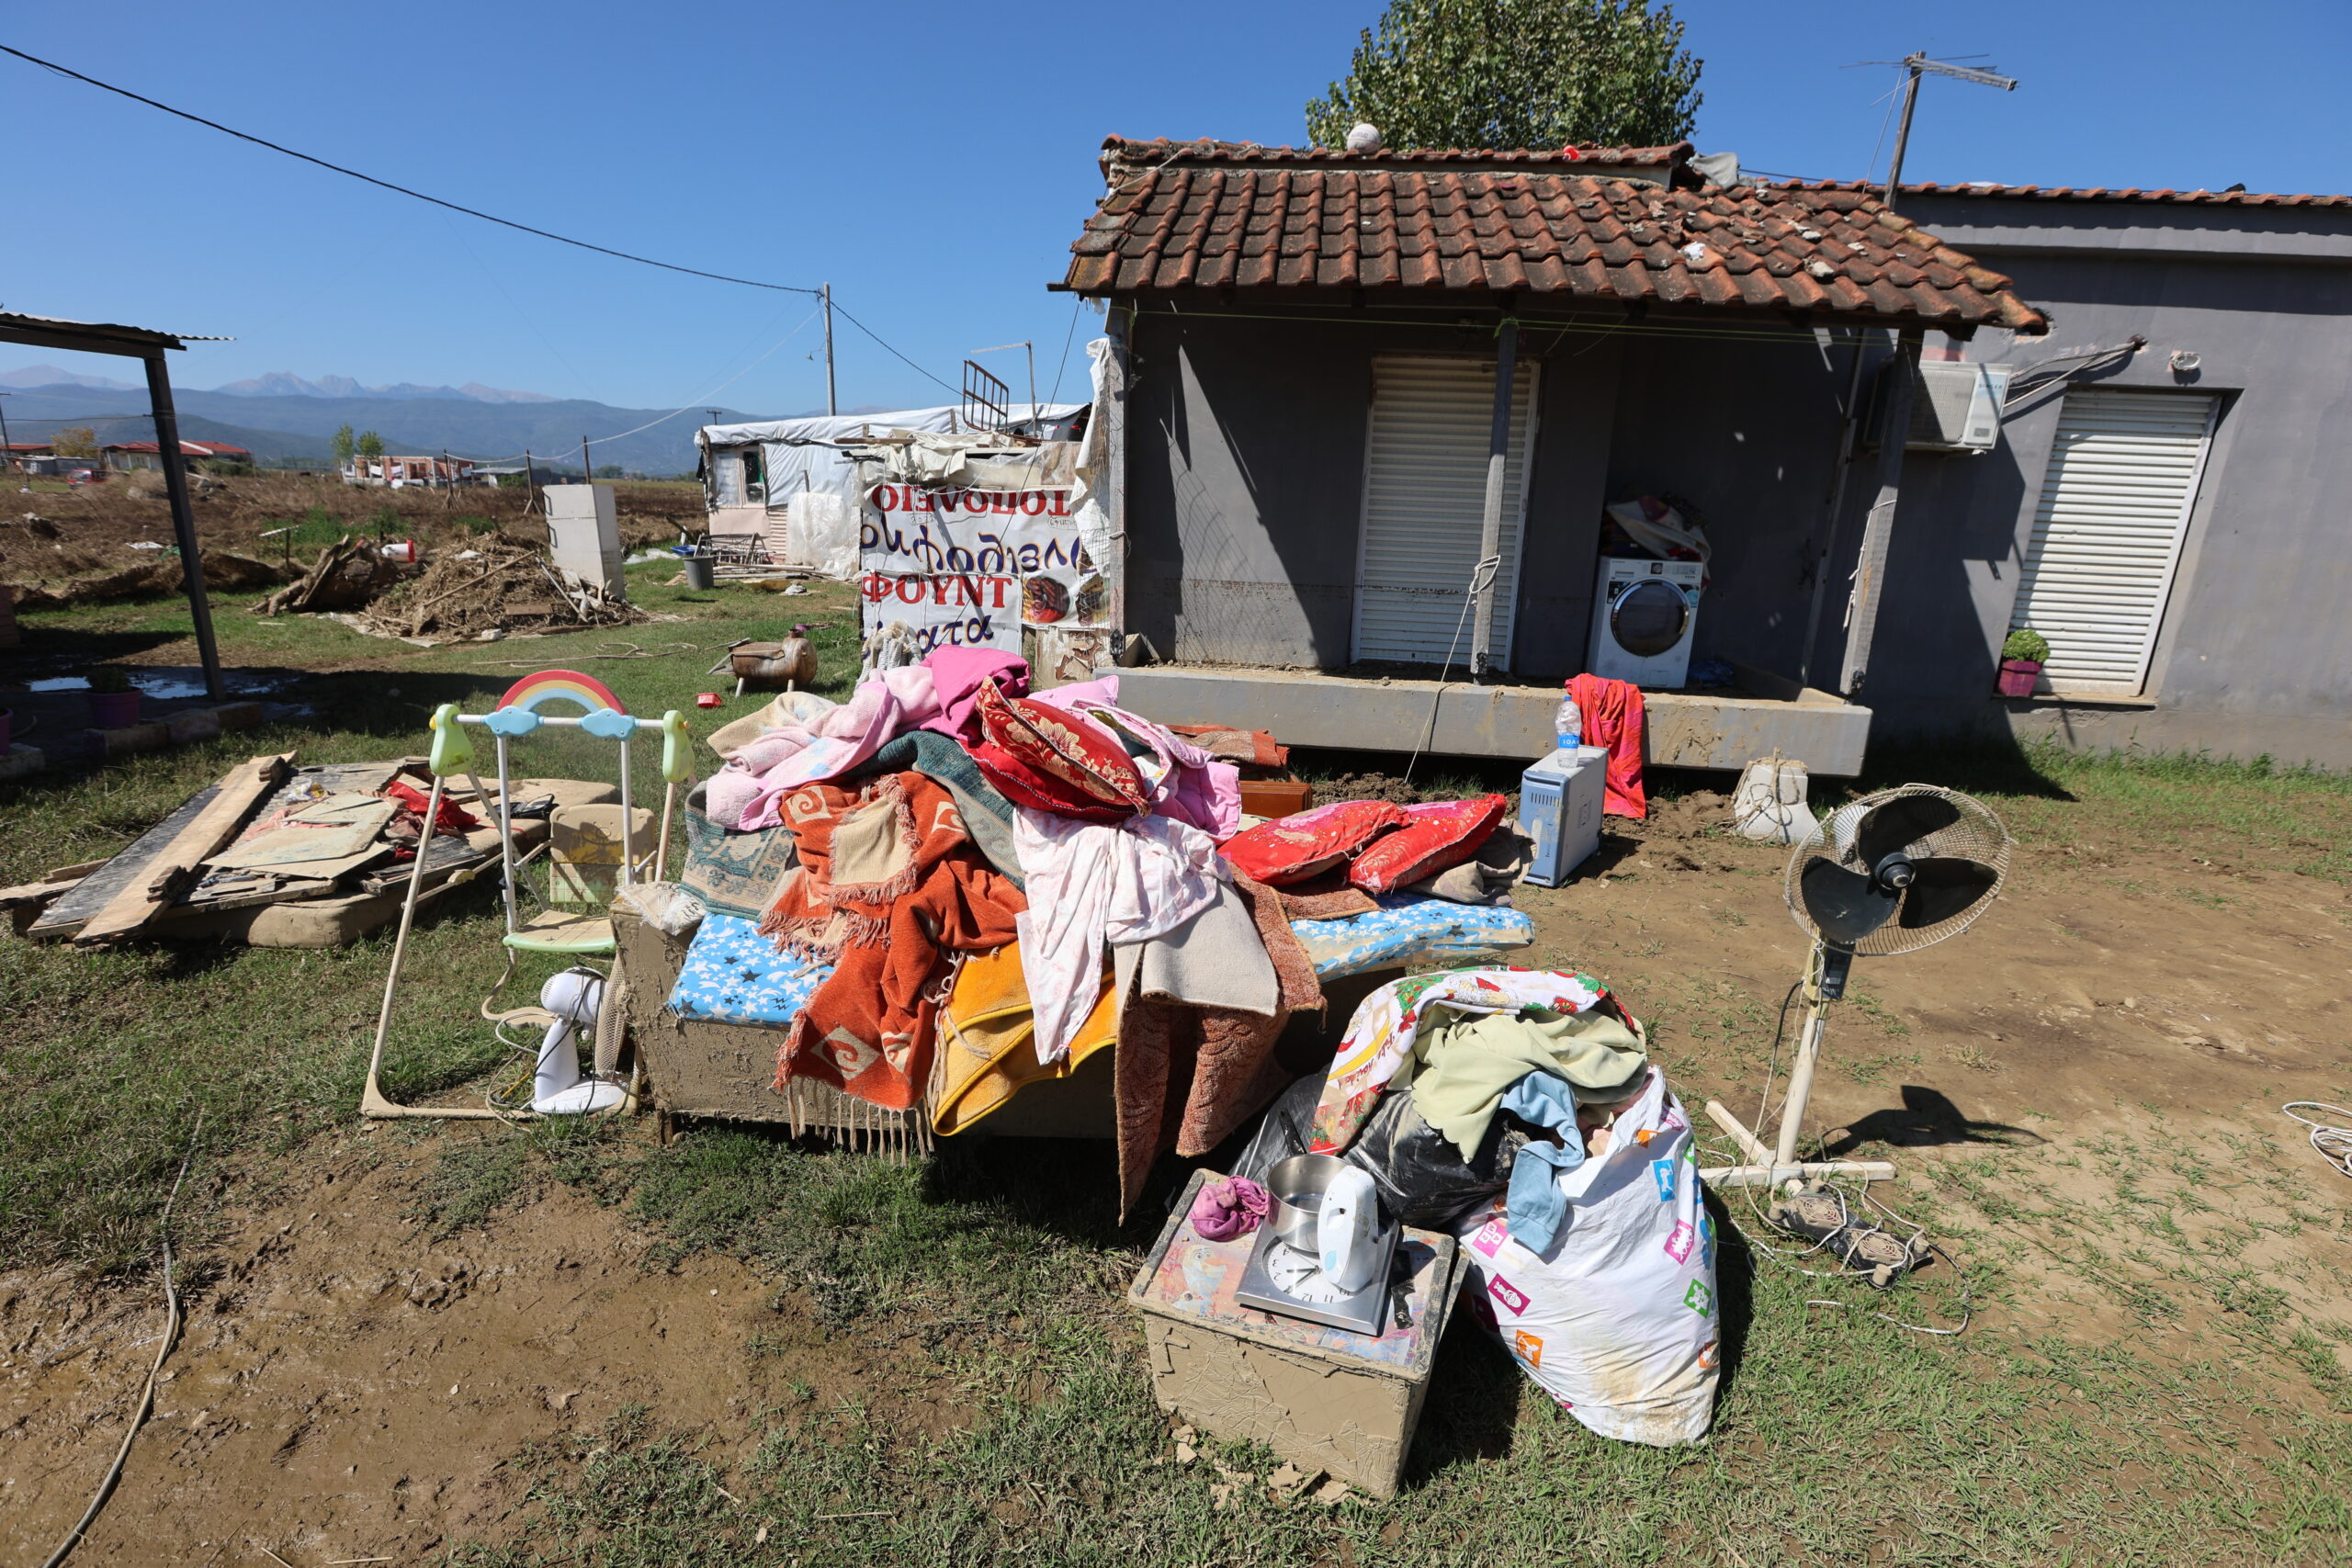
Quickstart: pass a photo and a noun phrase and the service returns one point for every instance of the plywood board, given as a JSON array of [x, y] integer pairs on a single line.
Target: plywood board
[[235, 798]]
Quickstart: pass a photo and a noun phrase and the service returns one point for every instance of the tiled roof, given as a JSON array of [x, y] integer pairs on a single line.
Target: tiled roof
[[1223, 214], [2088, 193]]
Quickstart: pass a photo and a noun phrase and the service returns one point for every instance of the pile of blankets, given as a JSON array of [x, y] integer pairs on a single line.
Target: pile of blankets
[[1100, 863]]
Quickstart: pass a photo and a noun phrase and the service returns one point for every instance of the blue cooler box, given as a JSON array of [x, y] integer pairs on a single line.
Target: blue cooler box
[[1560, 807]]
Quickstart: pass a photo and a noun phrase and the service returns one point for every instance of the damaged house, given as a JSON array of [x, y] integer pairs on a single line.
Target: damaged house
[[1312, 341]]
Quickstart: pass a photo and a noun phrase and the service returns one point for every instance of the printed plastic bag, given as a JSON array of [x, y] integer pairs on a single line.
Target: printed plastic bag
[[1618, 1322]]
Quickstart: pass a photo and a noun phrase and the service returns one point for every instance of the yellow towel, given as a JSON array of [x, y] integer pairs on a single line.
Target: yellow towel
[[988, 1045]]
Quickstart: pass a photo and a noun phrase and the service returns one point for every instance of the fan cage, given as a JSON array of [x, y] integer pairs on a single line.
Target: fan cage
[[1976, 835]]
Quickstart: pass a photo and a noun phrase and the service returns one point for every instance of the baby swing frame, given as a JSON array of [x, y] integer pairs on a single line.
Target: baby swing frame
[[451, 754]]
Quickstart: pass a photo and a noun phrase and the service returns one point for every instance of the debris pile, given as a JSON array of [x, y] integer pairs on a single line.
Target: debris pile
[[345, 577], [495, 589]]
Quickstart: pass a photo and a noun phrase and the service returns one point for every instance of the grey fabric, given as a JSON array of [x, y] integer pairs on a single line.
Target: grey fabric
[[1489, 879], [1215, 959]]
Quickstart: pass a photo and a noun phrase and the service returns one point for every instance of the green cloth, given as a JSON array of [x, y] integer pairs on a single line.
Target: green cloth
[[1463, 1063]]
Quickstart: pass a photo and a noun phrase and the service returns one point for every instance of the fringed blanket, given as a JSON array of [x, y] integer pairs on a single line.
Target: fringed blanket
[[1187, 1075], [887, 887]]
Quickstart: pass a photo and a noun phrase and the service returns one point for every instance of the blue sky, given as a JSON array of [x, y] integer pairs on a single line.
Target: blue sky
[[933, 161]]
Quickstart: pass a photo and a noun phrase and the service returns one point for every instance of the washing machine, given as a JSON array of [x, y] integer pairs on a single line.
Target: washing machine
[[1644, 614]]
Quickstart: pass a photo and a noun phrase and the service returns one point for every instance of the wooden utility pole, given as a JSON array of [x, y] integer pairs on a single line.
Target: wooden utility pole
[[168, 451], [832, 404], [531, 484], [587, 474]]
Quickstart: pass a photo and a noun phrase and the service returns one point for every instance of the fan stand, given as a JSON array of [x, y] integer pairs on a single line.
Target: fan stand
[[1773, 1168]]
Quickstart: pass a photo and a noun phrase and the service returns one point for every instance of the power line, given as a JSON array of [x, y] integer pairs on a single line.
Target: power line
[[842, 311], [403, 190]]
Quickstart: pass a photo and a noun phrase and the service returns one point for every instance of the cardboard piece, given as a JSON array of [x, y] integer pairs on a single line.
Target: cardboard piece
[[1322, 1398]]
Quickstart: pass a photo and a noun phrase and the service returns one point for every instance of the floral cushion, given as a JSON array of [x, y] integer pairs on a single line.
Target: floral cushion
[[1052, 759], [1292, 849], [1441, 836]]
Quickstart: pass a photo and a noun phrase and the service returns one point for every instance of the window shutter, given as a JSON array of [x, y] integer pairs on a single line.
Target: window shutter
[[2106, 533], [1425, 499]]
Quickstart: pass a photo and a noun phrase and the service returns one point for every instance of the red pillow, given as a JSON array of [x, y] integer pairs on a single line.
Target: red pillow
[[1441, 836], [1053, 760], [1292, 849]]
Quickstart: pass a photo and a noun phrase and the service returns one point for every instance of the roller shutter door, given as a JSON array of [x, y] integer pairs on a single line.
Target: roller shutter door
[[2106, 533], [1425, 495]]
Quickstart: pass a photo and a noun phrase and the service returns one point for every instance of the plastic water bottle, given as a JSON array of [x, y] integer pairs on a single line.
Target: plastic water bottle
[[1568, 725]]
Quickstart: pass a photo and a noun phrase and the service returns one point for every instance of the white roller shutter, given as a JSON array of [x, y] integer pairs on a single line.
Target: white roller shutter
[[1425, 497], [2107, 535]]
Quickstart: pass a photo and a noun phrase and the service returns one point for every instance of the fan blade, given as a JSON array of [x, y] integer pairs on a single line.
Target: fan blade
[[1900, 823], [1844, 906], [1943, 887]]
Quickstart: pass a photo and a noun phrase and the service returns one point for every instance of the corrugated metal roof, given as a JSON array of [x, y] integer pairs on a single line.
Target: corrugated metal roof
[[2085, 193]]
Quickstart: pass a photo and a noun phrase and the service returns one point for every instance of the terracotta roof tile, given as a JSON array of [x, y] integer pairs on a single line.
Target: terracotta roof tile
[[1609, 222]]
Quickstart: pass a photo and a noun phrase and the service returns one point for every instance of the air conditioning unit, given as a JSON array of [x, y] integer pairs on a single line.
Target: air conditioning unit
[[1955, 406]]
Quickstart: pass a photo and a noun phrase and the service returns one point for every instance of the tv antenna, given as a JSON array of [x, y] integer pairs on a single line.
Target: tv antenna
[[1915, 66]]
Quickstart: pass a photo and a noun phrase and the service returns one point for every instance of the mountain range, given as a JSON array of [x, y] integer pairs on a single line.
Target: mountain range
[[286, 430], [283, 384]]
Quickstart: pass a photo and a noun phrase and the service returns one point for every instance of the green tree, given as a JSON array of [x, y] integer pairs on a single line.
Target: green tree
[[1516, 74], [75, 441], [370, 445], [344, 446]]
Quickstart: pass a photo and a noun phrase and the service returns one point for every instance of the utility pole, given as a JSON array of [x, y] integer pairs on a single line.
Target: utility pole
[[832, 405], [587, 474], [1916, 65], [531, 484]]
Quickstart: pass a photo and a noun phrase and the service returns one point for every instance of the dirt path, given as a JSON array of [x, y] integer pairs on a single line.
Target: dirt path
[[348, 1388], [2109, 1045]]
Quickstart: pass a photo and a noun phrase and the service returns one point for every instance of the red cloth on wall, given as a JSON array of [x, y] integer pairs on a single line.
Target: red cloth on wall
[[1612, 717]]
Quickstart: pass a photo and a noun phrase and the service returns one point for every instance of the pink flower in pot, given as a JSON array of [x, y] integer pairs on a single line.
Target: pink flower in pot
[[2022, 656]]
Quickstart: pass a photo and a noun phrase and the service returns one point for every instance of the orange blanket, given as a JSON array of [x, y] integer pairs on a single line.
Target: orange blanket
[[889, 885]]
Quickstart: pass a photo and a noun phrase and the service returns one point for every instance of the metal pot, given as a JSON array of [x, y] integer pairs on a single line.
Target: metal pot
[[701, 574], [1296, 1185]]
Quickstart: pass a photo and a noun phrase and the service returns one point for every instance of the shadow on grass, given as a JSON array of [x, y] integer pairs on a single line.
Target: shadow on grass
[[1928, 1118]]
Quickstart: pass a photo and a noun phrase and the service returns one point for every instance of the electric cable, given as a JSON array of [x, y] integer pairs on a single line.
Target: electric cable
[[842, 312], [2334, 1142], [173, 1318], [402, 190]]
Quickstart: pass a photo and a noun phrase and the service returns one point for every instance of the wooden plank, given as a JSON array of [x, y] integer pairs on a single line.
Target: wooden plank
[[144, 897], [70, 913]]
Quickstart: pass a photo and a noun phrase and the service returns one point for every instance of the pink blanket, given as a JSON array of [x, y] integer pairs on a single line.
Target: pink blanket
[[743, 793], [957, 673]]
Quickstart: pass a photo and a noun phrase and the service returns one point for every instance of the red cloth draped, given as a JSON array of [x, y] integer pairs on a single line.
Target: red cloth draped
[[1612, 717]]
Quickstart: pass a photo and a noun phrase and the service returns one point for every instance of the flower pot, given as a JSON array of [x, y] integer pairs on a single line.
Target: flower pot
[[113, 710], [2018, 677]]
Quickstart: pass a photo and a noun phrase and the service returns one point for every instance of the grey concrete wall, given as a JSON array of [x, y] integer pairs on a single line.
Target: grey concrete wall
[[2254, 652], [1245, 480], [1245, 486]]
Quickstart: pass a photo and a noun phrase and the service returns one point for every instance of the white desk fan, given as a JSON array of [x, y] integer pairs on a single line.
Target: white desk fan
[[1891, 872]]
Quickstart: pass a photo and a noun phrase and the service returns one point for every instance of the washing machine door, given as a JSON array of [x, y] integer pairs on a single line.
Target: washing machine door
[[1649, 616]]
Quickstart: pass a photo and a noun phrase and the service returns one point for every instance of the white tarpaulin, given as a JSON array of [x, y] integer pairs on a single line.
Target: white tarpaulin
[[803, 456]]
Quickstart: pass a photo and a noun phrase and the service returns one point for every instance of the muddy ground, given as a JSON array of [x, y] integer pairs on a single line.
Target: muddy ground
[[350, 1388]]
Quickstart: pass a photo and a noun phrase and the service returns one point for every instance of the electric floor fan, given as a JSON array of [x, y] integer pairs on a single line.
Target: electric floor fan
[[1889, 873]]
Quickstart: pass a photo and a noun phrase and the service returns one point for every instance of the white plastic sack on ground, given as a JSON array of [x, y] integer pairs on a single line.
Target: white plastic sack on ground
[[1620, 1323], [1770, 804]]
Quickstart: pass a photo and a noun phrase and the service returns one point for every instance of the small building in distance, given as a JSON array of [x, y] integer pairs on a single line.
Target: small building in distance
[[124, 455], [398, 472]]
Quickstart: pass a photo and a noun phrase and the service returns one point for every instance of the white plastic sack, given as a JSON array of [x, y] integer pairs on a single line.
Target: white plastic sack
[[1770, 804], [823, 534], [1619, 1323]]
